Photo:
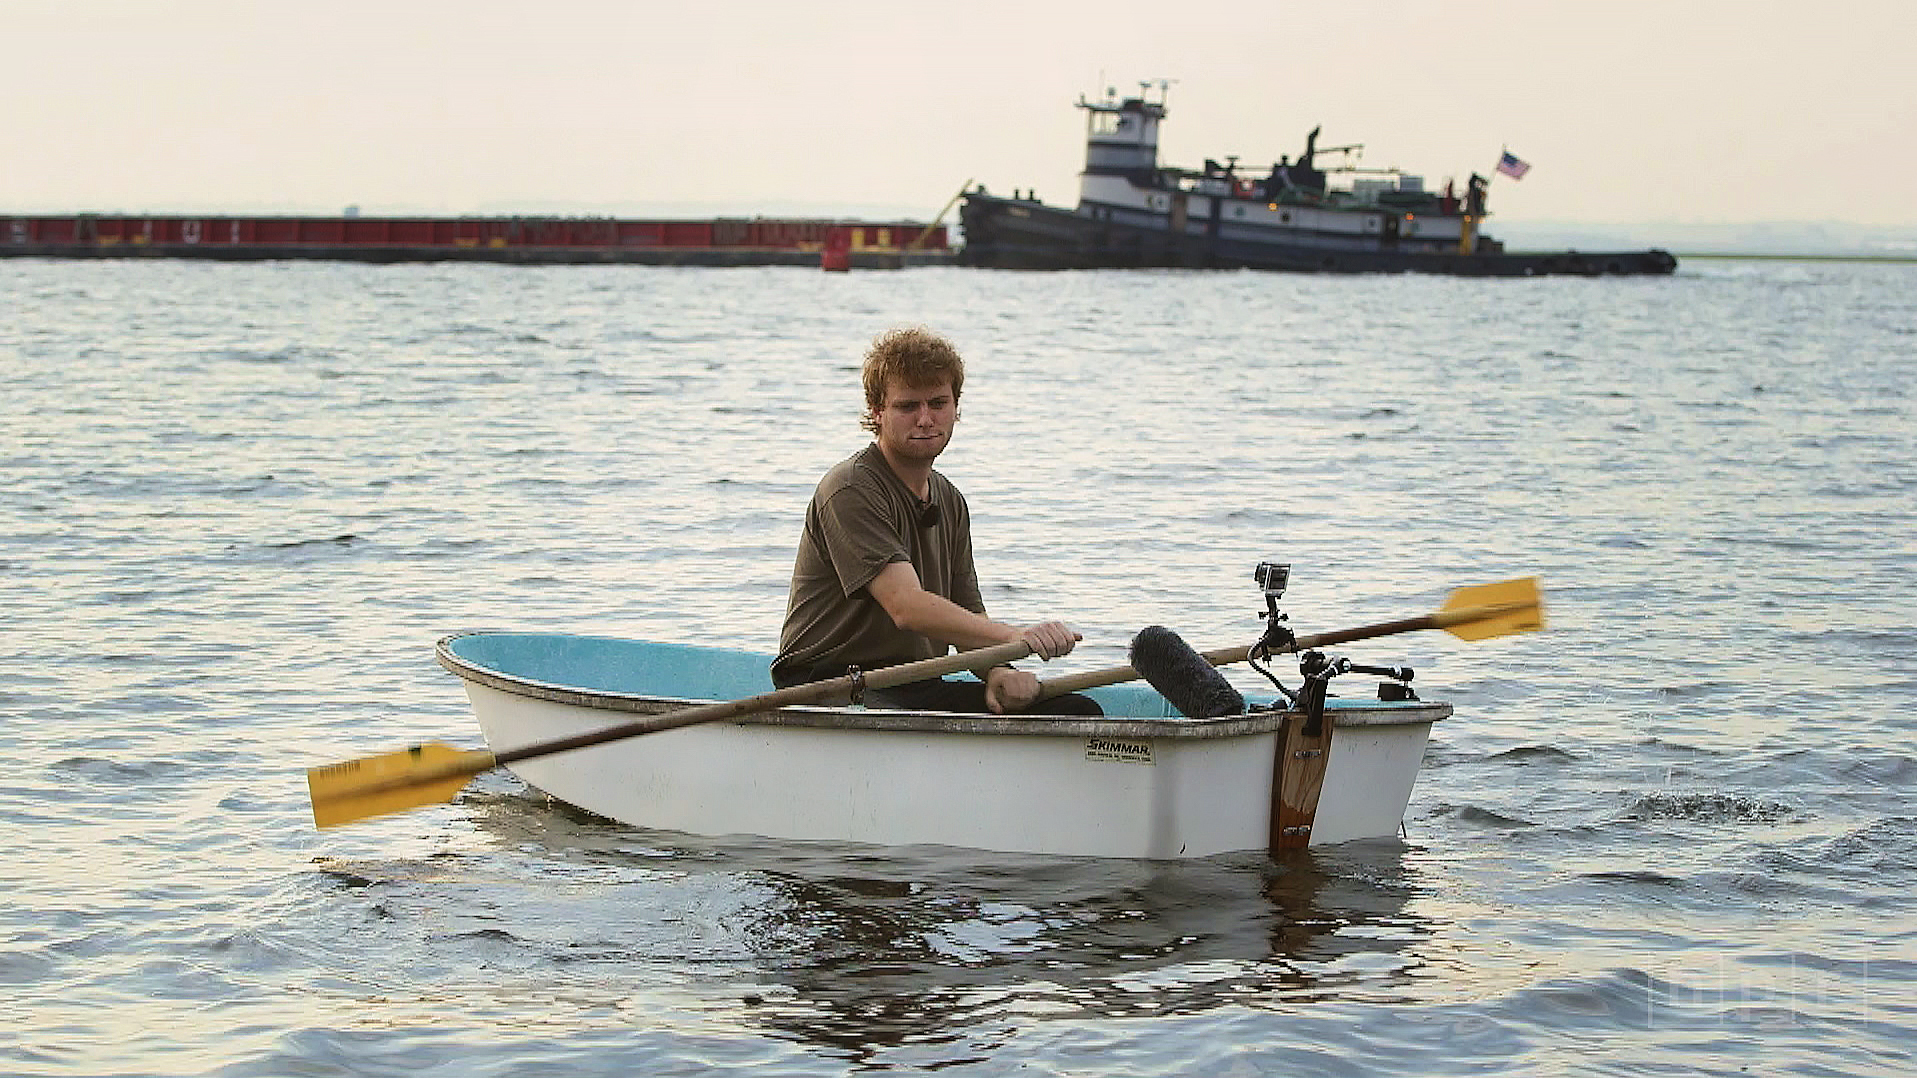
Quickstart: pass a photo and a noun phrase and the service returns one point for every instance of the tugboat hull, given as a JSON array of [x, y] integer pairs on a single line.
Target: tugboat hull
[[1003, 233]]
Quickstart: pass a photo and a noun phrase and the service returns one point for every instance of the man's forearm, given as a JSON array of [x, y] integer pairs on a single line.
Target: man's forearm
[[931, 615], [941, 619]]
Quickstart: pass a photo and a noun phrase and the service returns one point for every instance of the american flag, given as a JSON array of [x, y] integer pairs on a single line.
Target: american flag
[[1511, 166]]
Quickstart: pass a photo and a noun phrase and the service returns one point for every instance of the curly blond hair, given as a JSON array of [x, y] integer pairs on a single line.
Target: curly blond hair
[[915, 356]]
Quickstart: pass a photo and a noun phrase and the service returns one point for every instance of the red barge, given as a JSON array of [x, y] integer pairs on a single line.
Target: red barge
[[723, 241]]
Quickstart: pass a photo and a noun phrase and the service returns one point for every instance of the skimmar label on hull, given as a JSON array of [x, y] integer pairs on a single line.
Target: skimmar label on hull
[[1124, 752]]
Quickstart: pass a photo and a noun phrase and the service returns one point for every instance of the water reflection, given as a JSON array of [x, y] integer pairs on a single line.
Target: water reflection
[[865, 950]]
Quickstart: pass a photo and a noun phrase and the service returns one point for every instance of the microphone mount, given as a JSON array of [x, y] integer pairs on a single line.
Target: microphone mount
[[1273, 577], [1317, 669]]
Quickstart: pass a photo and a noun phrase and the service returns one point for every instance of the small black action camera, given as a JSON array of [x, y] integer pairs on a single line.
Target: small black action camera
[[1272, 576]]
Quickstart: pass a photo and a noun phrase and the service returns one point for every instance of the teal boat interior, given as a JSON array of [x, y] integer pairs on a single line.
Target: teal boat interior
[[621, 666]]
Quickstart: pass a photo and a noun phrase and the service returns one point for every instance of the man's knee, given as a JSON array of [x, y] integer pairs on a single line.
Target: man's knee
[[1070, 704]]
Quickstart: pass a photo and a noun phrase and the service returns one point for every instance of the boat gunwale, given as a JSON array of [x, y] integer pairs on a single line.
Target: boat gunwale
[[839, 717]]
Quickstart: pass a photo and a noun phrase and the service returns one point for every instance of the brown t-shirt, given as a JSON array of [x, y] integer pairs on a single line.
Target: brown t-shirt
[[862, 518]]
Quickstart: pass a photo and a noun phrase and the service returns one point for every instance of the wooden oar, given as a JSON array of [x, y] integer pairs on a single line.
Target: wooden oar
[[434, 773], [1474, 613]]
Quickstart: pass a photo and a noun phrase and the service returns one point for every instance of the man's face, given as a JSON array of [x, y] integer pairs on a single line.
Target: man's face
[[915, 422]]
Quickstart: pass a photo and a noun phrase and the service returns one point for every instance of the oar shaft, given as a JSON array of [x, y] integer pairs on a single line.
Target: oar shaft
[[1115, 675], [474, 761], [809, 693], [1092, 679], [1365, 632]]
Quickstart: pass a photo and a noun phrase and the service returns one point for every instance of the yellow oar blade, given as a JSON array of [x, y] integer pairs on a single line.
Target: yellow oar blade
[[428, 774], [1488, 610]]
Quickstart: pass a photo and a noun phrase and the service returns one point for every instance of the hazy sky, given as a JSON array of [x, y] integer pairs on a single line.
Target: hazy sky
[[1628, 110]]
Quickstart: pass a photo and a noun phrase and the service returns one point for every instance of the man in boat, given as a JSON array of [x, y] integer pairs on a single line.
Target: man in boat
[[884, 572]]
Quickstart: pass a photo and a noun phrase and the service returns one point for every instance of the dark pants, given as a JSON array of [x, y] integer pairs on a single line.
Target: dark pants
[[966, 695]]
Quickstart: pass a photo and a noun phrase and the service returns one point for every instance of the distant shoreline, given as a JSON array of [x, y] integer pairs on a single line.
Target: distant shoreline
[[1796, 258]]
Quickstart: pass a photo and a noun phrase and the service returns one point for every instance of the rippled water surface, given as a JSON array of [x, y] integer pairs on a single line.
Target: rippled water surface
[[1674, 834]]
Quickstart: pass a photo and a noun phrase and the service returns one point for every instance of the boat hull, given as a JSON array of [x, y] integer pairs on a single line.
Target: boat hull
[[1150, 786], [1005, 233]]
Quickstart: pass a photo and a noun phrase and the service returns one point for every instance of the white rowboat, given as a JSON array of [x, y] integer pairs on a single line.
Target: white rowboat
[[1141, 782]]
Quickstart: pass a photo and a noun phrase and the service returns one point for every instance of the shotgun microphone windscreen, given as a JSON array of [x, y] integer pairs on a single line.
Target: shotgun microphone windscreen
[[1182, 676]]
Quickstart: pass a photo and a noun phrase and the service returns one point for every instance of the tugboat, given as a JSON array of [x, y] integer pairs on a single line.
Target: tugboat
[[1133, 212]]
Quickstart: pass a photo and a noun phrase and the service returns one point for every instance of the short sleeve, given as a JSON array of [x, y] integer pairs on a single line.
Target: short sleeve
[[860, 538]]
